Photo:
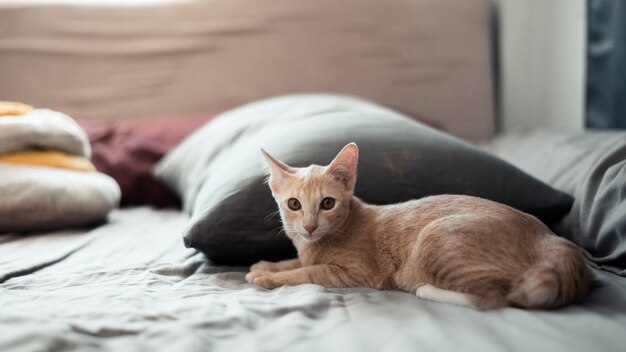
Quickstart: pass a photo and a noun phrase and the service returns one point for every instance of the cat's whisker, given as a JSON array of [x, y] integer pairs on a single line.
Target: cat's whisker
[[272, 214], [280, 233]]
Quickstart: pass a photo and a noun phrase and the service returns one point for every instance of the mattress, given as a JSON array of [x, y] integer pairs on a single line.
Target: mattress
[[132, 285]]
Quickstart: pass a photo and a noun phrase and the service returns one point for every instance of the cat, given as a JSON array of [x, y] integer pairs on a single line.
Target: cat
[[454, 249]]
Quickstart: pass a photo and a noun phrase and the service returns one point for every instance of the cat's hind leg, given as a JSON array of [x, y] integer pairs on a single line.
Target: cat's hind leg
[[432, 293]]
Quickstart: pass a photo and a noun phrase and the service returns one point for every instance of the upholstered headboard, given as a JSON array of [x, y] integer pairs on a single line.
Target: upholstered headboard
[[428, 58]]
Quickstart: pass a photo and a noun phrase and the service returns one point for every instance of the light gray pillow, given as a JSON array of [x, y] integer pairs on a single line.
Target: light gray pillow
[[43, 129], [43, 198], [592, 167], [219, 171]]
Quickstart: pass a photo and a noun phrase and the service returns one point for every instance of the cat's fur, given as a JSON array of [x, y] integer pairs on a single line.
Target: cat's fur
[[449, 248]]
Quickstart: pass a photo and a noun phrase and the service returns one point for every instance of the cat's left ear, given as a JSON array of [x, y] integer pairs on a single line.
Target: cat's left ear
[[279, 172], [343, 167]]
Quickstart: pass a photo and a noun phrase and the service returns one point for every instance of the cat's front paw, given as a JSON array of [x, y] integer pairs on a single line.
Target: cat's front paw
[[261, 278], [253, 274], [264, 266]]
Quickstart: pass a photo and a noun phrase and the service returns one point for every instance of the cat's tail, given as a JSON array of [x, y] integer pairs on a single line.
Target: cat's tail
[[561, 277]]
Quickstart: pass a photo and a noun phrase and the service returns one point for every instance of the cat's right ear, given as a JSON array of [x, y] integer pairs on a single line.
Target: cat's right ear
[[343, 167], [279, 172]]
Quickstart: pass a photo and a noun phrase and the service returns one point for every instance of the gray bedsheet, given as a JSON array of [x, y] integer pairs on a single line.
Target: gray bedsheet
[[131, 285]]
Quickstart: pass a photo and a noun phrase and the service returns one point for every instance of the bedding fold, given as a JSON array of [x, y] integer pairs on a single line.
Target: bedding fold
[[52, 248]]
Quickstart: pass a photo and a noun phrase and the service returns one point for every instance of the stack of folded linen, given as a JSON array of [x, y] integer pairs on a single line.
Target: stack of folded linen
[[46, 179]]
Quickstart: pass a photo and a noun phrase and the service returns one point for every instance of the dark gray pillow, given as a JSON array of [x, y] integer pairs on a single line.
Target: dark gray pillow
[[219, 171], [592, 167]]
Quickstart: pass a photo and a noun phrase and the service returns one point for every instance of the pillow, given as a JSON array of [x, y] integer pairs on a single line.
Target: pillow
[[43, 198], [220, 174], [592, 167], [128, 150], [43, 129]]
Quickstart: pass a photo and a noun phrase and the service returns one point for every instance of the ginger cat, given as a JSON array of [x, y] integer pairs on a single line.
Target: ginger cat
[[449, 248]]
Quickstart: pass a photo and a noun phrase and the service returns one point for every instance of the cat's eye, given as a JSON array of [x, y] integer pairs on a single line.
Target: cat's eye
[[327, 203], [294, 204]]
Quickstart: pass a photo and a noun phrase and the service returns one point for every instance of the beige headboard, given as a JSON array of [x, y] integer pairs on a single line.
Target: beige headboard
[[428, 58]]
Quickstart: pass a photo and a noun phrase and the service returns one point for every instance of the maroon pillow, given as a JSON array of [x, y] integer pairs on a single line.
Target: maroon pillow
[[128, 150]]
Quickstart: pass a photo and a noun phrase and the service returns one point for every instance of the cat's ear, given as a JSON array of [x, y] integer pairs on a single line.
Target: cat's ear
[[279, 171], [343, 167]]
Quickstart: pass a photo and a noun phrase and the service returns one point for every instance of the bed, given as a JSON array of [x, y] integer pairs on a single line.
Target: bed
[[130, 284], [104, 290]]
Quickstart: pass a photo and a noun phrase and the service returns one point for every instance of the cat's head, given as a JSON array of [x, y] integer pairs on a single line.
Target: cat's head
[[314, 201]]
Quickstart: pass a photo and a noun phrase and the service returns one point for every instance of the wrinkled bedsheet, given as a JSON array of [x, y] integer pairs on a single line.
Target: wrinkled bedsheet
[[131, 285]]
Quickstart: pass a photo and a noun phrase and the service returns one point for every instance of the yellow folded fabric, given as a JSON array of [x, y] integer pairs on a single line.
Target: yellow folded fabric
[[48, 158], [11, 108]]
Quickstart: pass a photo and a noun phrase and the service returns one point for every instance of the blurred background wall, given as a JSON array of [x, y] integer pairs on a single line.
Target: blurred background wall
[[542, 63], [540, 60]]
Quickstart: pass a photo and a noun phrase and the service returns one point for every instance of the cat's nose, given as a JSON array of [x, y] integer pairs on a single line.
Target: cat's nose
[[310, 228]]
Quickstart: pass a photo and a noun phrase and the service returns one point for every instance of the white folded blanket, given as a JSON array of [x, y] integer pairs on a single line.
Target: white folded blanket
[[43, 129], [39, 198], [43, 198]]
